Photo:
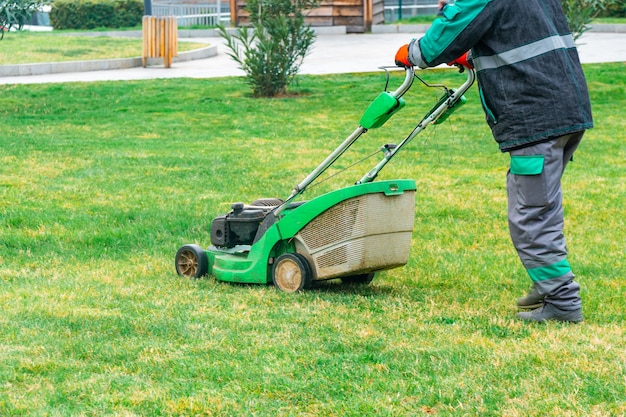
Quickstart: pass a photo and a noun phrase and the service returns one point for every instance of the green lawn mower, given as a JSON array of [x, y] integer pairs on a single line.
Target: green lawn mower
[[348, 234]]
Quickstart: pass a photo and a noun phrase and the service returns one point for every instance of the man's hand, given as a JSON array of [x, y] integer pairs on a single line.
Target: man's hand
[[462, 62], [402, 57]]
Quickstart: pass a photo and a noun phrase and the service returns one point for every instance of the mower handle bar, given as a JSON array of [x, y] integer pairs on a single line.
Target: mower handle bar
[[409, 77], [431, 117], [399, 92]]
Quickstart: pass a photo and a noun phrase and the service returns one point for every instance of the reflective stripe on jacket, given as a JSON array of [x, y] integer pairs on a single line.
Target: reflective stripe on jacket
[[529, 75]]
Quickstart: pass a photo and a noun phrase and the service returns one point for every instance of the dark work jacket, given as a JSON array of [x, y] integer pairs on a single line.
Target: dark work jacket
[[530, 79]]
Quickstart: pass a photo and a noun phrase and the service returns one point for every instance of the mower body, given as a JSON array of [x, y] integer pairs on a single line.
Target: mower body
[[351, 231]]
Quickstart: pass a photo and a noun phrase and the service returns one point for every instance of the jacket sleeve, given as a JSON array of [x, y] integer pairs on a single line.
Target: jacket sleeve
[[463, 24]]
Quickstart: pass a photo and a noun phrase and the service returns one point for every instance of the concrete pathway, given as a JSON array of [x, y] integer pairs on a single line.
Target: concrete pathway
[[331, 54]]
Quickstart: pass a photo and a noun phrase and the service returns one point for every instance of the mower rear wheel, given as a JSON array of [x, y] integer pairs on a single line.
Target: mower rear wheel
[[358, 279], [292, 272], [192, 261]]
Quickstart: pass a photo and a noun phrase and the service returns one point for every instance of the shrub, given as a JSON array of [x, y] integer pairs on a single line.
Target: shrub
[[616, 9], [580, 13], [90, 14], [275, 47], [16, 13], [128, 13]]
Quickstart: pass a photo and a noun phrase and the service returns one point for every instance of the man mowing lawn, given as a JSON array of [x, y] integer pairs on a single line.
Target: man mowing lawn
[[536, 102]]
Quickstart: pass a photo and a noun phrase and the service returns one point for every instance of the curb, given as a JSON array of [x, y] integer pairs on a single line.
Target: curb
[[400, 28], [608, 28], [99, 64]]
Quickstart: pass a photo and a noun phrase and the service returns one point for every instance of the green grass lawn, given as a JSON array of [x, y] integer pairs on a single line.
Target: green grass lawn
[[611, 20], [417, 20], [37, 47], [101, 183]]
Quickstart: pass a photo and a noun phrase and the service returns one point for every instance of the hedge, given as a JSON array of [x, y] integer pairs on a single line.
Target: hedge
[[617, 9], [90, 14]]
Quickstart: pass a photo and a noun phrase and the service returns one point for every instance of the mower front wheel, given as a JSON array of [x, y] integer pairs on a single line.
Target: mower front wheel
[[192, 261], [292, 272]]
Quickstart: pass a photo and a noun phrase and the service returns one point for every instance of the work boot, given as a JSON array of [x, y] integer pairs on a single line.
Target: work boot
[[531, 301], [549, 312]]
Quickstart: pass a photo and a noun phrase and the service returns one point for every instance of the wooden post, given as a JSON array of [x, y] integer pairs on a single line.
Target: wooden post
[[233, 13], [368, 14], [160, 39]]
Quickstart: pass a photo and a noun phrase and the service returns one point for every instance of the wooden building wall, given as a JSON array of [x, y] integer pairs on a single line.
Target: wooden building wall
[[355, 15]]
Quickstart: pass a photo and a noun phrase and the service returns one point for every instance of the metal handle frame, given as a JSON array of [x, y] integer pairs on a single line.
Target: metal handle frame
[[390, 153], [430, 118]]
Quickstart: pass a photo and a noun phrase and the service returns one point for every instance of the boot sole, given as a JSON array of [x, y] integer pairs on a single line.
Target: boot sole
[[551, 319], [529, 306]]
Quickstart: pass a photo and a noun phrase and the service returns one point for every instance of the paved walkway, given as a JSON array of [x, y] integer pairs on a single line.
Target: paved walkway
[[331, 54]]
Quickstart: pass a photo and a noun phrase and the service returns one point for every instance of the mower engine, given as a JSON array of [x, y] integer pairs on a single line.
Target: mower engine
[[241, 224]]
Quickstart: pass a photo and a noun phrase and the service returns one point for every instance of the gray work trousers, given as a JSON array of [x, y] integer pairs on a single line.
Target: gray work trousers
[[535, 212]]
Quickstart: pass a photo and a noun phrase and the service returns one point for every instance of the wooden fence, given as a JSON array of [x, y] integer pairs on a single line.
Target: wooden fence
[[355, 15]]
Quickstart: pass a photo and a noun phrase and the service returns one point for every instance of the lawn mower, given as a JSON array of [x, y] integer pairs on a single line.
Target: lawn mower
[[349, 234]]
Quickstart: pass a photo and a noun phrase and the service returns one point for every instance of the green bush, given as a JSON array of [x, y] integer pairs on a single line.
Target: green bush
[[616, 9], [272, 52], [89, 14], [580, 13], [17, 13]]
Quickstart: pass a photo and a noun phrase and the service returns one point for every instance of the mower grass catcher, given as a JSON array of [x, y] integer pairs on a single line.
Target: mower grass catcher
[[349, 233]]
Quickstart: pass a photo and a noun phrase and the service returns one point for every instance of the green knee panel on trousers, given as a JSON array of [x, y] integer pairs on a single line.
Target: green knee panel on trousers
[[551, 271]]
